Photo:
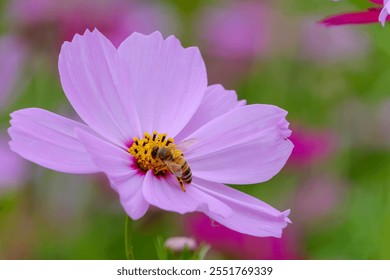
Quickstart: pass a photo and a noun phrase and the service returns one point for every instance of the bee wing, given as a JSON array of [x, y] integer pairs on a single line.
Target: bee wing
[[186, 144], [174, 168]]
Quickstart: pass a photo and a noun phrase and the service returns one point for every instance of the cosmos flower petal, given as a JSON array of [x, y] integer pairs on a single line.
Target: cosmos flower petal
[[165, 193], [247, 145], [113, 160], [168, 81], [363, 17], [384, 12], [250, 215], [130, 193], [94, 81], [216, 102], [116, 163], [49, 140]]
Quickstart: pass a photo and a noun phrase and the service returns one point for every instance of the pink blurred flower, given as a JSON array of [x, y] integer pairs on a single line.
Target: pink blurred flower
[[27, 12], [376, 14], [12, 56], [178, 243], [150, 84], [234, 33], [116, 18], [317, 198], [311, 146], [13, 169], [237, 29], [331, 44], [240, 246]]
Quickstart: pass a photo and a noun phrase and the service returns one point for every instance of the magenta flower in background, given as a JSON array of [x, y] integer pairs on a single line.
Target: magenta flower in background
[[240, 246], [147, 93], [372, 15], [13, 169], [12, 56], [311, 146]]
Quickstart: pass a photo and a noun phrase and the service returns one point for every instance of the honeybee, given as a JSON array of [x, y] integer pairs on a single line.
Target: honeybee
[[176, 164]]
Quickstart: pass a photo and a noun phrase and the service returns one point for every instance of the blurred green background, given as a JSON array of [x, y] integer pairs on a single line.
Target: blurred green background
[[334, 82]]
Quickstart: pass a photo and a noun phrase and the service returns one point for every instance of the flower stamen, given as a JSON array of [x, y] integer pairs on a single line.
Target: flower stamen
[[144, 151]]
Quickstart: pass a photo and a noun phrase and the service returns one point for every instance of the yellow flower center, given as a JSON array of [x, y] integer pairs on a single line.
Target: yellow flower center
[[144, 152]]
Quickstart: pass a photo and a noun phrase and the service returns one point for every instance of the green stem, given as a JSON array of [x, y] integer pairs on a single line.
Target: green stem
[[128, 239]]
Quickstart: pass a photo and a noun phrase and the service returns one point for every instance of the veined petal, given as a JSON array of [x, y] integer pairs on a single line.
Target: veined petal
[[247, 145], [116, 163], [216, 102], [250, 215], [165, 193], [94, 81], [130, 193], [166, 80], [49, 140], [113, 160]]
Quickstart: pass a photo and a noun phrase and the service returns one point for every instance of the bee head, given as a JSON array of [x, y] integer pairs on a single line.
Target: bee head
[[154, 152]]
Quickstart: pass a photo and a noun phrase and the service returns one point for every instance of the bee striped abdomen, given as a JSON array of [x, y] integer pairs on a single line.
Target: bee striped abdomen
[[186, 170], [187, 176]]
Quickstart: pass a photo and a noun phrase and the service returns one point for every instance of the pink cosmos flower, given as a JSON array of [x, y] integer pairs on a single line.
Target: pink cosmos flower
[[372, 15], [152, 93]]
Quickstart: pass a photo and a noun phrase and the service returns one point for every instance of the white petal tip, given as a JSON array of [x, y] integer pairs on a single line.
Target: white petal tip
[[285, 215]]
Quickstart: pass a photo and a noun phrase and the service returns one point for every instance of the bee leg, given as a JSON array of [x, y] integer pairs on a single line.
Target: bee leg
[[159, 170], [181, 184]]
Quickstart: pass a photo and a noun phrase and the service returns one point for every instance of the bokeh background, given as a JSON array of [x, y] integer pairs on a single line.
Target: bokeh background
[[334, 82]]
